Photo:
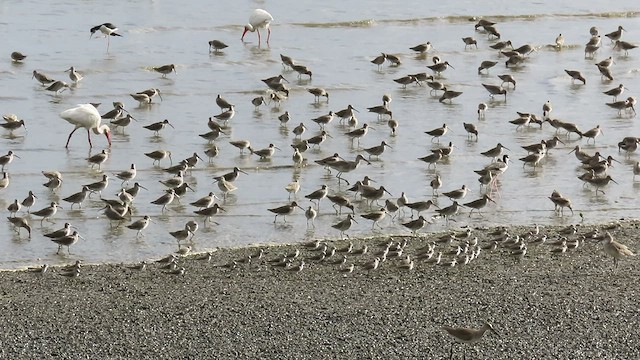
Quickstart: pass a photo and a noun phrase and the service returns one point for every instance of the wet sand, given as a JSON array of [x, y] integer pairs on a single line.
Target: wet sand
[[545, 306]]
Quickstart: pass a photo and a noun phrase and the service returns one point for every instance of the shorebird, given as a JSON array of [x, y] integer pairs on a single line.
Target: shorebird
[[241, 144], [284, 211], [422, 48], [311, 214], [165, 199], [140, 225], [47, 212], [205, 201], [478, 204], [623, 45], [7, 159], [42, 78], [576, 75], [598, 183], [448, 95], [341, 202], [358, 133], [615, 35], [559, 41], [318, 195], [486, 65], [165, 69], [416, 225], [440, 67], [127, 175], [67, 241], [437, 132], [449, 211], [615, 249], [217, 45], [495, 90], [17, 56], [376, 150], [605, 72], [342, 166], [74, 75], [418, 206], [157, 126], [317, 93], [209, 211], [471, 129], [265, 153], [560, 203], [19, 223], [375, 216], [615, 92], [456, 194], [78, 197], [108, 29], [226, 115], [467, 335], [468, 41], [592, 133], [495, 152], [533, 159], [508, 78], [301, 70], [501, 45], [159, 155], [324, 119]]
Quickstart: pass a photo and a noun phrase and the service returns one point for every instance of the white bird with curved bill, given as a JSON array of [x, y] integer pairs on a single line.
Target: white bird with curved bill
[[258, 19], [86, 116]]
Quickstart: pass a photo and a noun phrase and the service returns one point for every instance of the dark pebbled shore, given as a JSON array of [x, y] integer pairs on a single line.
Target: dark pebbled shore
[[569, 306]]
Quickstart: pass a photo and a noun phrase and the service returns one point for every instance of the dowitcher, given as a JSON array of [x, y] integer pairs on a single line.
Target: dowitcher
[[47, 212], [478, 204], [165, 69], [318, 195], [285, 210], [42, 78], [533, 159], [265, 153], [449, 211], [301, 70], [159, 155], [560, 203], [501, 45], [615, 35], [418, 206], [375, 216], [311, 214], [605, 72], [422, 48], [467, 335], [98, 186], [293, 188], [341, 202], [440, 67], [317, 93], [438, 132], [406, 80], [508, 78], [495, 90], [592, 133], [324, 119], [165, 199], [495, 152], [67, 241], [226, 115], [376, 150], [468, 41], [615, 92], [241, 144], [140, 225], [615, 249], [393, 59], [223, 103], [486, 65], [416, 225], [209, 211], [623, 45], [157, 126], [74, 75], [456, 194], [471, 129], [576, 75], [217, 45], [343, 166], [20, 223], [449, 95]]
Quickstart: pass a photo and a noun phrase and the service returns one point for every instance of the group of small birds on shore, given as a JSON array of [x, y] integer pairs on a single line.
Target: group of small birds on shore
[[87, 117]]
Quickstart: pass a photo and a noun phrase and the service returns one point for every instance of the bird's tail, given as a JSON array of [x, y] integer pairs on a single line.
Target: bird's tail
[[115, 34]]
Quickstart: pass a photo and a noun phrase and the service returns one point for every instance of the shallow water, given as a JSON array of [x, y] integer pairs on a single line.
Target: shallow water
[[337, 45]]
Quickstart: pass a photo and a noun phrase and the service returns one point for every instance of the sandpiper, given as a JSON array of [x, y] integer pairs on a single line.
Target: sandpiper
[[284, 211], [165, 69]]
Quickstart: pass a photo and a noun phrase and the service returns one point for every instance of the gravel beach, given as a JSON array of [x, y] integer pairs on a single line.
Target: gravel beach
[[569, 305]]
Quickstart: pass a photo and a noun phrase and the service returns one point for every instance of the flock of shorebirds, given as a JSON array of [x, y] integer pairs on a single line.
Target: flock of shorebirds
[[448, 250]]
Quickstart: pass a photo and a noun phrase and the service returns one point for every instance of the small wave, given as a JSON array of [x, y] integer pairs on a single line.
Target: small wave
[[465, 18]]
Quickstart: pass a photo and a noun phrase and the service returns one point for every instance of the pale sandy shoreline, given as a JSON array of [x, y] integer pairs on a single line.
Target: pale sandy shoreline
[[569, 306]]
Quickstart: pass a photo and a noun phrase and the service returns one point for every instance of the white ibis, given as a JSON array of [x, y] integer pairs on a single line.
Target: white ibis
[[259, 19], [108, 29], [86, 116]]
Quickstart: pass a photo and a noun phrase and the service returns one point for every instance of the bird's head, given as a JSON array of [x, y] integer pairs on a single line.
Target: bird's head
[[247, 27]]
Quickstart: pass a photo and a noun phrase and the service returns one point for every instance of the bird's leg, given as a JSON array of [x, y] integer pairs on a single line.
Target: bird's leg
[[268, 36], [89, 137], [69, 138], [258, 31]]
